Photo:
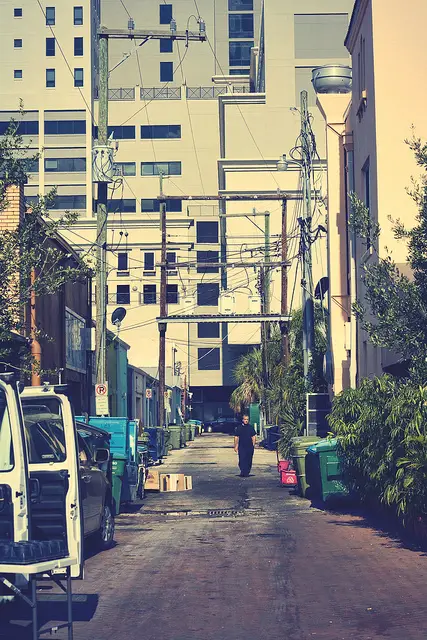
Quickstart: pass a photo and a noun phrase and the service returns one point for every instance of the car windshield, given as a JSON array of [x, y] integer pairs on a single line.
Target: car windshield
[[44, 432], [6, 447]]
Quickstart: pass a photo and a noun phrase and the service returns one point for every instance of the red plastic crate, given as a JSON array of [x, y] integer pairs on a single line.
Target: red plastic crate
[[288, 478], [283, 465]]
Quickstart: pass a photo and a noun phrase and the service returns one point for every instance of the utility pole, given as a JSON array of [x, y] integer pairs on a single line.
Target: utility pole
[[284, 293], [101, 223], [265, 308], [163, 307], [305, 222]]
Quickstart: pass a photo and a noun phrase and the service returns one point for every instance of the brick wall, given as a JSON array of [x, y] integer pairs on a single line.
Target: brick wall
[[14, 211]]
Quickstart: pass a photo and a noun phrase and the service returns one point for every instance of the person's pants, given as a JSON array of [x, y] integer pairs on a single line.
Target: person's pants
[[246, 455]]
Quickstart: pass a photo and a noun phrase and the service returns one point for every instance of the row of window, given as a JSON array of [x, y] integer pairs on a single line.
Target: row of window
[[148, 132], [51, 77], [149, 294], [64, 203], [207, 294], [50, 14], [203, 258], [51, 46]]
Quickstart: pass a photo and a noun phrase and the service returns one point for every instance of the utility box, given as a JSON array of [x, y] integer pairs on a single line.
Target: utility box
[[102, 163], [227, 303], [254, 305]]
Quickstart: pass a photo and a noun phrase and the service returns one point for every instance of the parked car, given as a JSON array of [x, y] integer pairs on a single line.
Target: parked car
[[45, 441], [225, 425]]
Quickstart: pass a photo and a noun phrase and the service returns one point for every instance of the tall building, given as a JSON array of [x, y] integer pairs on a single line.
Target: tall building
[[218, 107]]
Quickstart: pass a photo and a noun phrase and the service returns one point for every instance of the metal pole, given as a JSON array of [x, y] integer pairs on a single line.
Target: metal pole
[[284, 295], [163, 310], [307, 279], [101, 223]]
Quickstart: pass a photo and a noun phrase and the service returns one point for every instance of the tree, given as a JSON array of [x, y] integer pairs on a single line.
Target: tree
[[394, 310], [32, 262], [286, 390]]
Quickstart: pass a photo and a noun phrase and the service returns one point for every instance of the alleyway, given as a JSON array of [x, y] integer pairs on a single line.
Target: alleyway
[[266, 567]]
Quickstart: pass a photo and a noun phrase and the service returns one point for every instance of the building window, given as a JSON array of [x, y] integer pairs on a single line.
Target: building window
[[78, 16], [160, 131], [17, 13], [50, 16], [166, 71], [205, 257], [17, 74], [124, 168], [68, 202], [320, 35], [149, 261], [241, 25], [17, 43], [240, 5], [149, 205], [65, 165], [366, 183], [240, 53], [208, 359], [50, 77], [172, 294], [78, 46], [208, 330], [361, 66], [207, 232], [122, 262], [207, 294], [50, 46], [32, 166], [119, 132], [123, 294], [166, 45], [155, 168], [171, 260], [122, 205], [240, 72], [63, 127], [31, 127], [165, 13], [78, 77], [149, 294]]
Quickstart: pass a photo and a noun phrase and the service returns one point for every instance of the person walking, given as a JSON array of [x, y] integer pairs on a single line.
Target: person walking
[[244, 443]]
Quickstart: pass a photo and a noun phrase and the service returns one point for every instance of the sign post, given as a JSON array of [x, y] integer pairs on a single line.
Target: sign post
[[101, 399]]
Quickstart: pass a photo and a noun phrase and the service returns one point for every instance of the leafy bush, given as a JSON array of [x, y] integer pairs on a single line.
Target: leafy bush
[[382, 440]]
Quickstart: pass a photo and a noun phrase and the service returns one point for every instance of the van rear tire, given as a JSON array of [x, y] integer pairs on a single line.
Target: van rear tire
[[105, 535]]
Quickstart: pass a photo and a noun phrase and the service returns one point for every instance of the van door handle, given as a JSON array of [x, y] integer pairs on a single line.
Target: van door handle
[[86, 478]]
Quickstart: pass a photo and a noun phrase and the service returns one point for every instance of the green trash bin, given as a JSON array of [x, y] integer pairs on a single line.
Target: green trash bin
[[166, 445], [187, 433], [118, 466], [175, 436], [299, 452], [324, 471], [192, 432]]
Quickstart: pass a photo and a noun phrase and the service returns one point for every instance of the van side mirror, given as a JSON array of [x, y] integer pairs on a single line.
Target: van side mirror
[[101, 455]]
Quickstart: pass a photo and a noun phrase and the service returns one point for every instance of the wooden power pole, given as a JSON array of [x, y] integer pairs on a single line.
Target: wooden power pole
[[163, 308], [144, 36]]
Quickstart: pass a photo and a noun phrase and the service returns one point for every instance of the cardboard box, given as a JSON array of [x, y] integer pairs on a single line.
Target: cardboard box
[[152, 481], [175, 482]]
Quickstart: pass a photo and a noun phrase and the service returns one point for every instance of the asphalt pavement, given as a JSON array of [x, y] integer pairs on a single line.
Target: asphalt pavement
[[243, 559]]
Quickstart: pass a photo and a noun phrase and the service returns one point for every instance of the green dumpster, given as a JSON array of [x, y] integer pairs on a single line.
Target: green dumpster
[[118, 466], [175, 436], [324, 471], [299, 451]]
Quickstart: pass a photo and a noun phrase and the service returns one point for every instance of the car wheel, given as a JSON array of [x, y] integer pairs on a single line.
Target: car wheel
[[105, 535]]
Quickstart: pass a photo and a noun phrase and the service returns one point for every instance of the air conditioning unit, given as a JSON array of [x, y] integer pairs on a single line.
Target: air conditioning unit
[[188, 304], [254, 304], [227, 303]]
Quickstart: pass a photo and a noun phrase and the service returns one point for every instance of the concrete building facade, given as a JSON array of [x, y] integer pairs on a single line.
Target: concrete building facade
[[212, 121], [368, 156]]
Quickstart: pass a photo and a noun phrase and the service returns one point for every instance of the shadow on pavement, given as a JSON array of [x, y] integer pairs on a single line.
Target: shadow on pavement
[[52, 609]]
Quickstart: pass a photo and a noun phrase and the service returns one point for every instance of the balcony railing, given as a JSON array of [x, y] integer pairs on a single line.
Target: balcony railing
[[161, 93], [121, 93], [205, 93]]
